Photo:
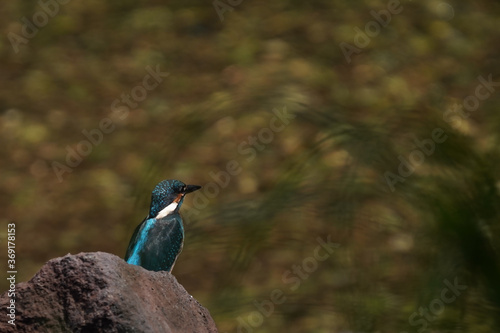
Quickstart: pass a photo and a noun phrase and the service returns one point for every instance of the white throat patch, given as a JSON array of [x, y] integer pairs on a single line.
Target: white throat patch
[[167, 210]]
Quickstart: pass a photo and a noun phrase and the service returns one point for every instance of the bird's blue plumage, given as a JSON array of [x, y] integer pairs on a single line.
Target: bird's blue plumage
[[157, 241]]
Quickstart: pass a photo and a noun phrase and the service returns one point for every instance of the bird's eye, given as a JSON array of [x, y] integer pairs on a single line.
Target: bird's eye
[[183, 189]]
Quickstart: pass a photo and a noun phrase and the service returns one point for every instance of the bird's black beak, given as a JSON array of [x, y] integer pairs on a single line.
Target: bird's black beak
[[191, 188]]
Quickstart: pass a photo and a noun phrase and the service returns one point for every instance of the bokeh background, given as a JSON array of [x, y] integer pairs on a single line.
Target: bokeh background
[[322, 174]]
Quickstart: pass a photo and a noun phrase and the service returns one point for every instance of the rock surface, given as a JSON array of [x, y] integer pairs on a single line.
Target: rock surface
[[99, 292]]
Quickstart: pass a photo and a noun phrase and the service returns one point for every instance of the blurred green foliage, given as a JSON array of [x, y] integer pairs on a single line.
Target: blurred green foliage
[[323, 175]]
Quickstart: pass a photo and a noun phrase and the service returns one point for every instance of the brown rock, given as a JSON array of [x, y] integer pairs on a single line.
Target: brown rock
[[99, 292]]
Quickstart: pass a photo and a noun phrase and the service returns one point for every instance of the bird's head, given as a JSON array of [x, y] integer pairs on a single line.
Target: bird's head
[[167, 197]]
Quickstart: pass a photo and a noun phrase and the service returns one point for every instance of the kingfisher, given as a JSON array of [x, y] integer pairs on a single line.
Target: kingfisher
[[158, 240]]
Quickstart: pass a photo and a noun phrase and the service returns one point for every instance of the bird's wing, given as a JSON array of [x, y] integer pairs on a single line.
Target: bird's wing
[[164, 244]]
